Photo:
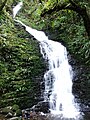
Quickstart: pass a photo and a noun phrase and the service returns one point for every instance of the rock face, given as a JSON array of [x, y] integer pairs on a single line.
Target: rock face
[[41, 107], [81, 86]]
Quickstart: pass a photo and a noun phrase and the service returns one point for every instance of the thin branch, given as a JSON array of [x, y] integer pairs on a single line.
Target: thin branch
[[73, 3]]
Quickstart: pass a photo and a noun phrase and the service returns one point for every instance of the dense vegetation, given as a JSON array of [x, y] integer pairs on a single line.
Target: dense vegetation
[[21, 64], [20, 61], [70, 17]]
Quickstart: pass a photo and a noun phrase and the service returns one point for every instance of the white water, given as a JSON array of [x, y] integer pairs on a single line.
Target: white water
[[17, 8], [58, 78]]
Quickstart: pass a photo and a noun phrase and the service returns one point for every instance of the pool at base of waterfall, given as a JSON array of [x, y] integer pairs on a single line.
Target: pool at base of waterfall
[[60, 115]]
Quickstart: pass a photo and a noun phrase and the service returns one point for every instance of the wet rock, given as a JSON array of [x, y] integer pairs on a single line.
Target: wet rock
[[9, 115], [25, 114], [87, 115], [14, 118], [85, 108], [41, 107], [32, 115]]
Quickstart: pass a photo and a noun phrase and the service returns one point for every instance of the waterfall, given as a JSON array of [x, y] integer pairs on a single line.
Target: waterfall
[[17, 8], [58, 77]]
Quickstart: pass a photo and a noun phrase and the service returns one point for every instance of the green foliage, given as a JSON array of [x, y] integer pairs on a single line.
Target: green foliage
[[67, 27], [20, 62], [67, 21], [15, 107], [72, 32]]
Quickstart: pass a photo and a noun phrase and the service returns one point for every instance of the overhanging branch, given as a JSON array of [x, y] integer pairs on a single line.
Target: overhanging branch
[[55, 8], [71, 6]]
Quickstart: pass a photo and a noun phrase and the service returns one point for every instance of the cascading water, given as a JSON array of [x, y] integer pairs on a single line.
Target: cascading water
[[58, 77]]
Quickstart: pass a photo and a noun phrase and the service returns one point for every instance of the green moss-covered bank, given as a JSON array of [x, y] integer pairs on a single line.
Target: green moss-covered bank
[[21, 65]]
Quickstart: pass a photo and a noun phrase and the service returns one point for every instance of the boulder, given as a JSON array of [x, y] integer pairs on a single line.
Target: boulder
[[42, 106], [6, 110]]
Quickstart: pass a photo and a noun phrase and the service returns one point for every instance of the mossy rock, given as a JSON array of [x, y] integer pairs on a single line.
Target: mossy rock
[[18, 112], [15, 107], [6, 110]]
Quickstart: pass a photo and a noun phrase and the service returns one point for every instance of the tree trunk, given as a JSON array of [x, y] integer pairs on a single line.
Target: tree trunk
[[86, 20]]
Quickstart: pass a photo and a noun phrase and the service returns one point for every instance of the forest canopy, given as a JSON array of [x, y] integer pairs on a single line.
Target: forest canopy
[[80, 7]]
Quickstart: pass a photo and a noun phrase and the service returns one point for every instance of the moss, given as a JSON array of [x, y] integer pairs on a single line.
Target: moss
[[6, 110], [15, 107], [20, 62]]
